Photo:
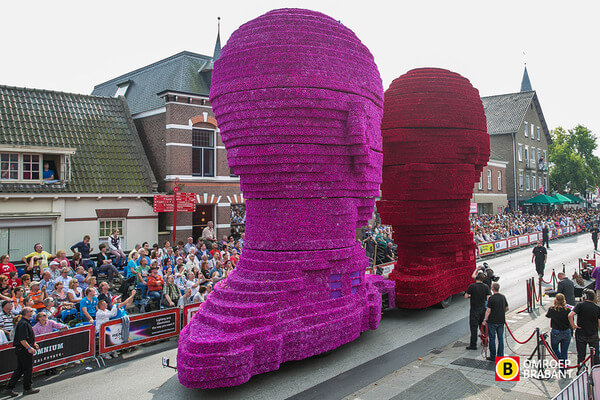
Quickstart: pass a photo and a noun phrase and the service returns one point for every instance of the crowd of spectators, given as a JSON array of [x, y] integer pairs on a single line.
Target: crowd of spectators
[[490, 227], [378, 243], [93, 288]]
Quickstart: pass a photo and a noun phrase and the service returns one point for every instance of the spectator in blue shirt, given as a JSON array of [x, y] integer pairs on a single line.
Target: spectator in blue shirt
[[84, 248], [88, 304], [48, 174]]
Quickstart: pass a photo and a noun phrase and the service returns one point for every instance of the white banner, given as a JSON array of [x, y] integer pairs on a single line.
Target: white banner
[[500, 245], [523, 240]]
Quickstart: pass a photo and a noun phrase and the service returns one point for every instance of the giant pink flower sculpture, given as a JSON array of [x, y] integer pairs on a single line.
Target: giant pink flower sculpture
[[298, 99], [435, 146]]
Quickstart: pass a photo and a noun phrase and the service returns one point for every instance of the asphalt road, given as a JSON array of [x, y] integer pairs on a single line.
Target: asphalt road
[[402, 336]]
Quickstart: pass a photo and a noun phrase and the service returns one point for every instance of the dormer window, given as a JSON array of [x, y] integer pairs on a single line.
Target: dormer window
[[122, 89], [25, 164]]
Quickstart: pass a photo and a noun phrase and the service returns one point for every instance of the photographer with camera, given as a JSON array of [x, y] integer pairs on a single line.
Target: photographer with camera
[[567, 288], [488, 273], [478, 292]]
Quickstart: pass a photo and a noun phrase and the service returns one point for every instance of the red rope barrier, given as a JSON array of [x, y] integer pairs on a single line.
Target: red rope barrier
[[515, 339], [556, 359], [551, 278]]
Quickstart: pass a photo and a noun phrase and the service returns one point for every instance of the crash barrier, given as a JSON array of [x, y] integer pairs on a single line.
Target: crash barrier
[[381, 269], [57, 348], [498, 246], [75, 344], [577, 389]]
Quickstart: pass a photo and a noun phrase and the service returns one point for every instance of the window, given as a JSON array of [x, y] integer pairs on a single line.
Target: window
[[107, 226], [526, 128], [203, 152], [31, 167], [532, 132], [489, 179], [541, 181], [520, 152], [9, 166], [499, 180], [538, 133], [546, 179], [520, 180], [480, 184], [533, 181], [533, 156], [122, 89], [527, 182], [526, 154]]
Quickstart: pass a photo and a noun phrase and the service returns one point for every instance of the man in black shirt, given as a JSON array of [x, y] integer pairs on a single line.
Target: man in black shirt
[[567, 288], [595, 236], [478, 292], [539, 256], [25, 347], [586, 329], [545, 236], [495, 318]]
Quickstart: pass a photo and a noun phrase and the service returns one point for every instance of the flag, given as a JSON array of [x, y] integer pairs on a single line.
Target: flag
[[541, 190]]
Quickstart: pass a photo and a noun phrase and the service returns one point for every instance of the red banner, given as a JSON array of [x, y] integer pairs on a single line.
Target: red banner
[[186, 202], [56, 349], [142, 328]]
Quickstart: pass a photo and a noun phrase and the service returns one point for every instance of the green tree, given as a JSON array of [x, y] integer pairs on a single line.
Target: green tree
[[575, 167]]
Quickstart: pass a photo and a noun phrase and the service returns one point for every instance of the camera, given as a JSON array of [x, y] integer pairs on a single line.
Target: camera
[[489, 273]]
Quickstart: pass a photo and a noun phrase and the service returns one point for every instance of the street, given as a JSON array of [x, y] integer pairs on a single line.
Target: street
[[403, 336]]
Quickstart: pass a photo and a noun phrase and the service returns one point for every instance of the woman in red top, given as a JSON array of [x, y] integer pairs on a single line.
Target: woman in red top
[[5, 266], [155, 285]]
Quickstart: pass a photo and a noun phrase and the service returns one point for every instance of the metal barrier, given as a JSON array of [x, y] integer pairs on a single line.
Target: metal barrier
[[578, 389]]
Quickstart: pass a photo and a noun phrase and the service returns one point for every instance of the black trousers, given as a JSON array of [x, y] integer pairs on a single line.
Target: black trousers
[[539, 267], [545, 242], [581, 342], [24, 368], [475, 320], [595, 243]]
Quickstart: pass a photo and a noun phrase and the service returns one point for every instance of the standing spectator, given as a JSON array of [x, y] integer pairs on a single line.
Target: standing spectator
[[114, 244], [87, 306], [370, 246], [594, 232], [171, 293], [85, 249], [155, 285], [208, 234], [189, 245], [560, 336], [539, 256], [5, 265], [38, 253], [105, 265], [567, 288], [478, 292], [25, 347], [545, 236], [586, 328], [495, 318], [46, 325]]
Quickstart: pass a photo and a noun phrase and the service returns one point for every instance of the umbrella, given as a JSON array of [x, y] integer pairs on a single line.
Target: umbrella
[[542, 199], [562, 199], [573, 198]]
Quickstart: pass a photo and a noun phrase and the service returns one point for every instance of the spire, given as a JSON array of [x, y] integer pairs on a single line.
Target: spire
[[217, 52], [525, 83]]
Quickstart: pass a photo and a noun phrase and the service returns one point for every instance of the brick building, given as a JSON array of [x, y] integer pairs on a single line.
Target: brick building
[[519, 136], [490, 192], [171, 110]]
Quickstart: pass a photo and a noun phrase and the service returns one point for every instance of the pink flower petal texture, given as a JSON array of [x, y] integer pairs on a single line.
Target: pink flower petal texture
[[435, 144], [299, 101]]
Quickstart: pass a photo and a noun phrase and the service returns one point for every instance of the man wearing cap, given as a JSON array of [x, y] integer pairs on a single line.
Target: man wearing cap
[[25, 347]]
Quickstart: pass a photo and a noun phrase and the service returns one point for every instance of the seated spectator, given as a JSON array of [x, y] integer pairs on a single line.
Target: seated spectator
[[61, 255], [5, 288], [84, 249], [136, 249], [169, 255], [203, 251], [26, 283], [64, 277], [50, 308], [192, 262], [155, 285], [38, 253], [37, 295], [76, 261], [6, 318], [200, 297], [171, 293], [104, 264], [167, 266], [74, 293], [238, 247], [185, 299], [47, 282], [158, 251], [48, 174], [5, 265], [192, 283], [82, 276], [91, 283], [54, 270], [13, 279], [18, 300], [217, 259], [59, 294], [143, 254], [87, 306], [142, 271], [217, 273], [104, 314], [46, 325], [114, 245], [189, 245], [28, 302], [105, 294], [234, 257]]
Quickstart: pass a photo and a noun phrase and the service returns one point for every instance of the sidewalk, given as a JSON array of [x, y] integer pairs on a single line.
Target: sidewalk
[[452, 372]]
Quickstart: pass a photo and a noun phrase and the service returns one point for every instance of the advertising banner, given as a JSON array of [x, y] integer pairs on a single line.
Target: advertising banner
[[56, 349], [189, 311], [142, 328], [473, 208], [533, 238], [578, 229], [560, 231], [572, 229], [523, 240], [513, 242], [500, 245], [485, 248]]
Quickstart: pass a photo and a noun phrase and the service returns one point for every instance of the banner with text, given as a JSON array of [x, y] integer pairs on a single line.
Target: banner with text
[[56, 349], [143, 328], [189, 311]]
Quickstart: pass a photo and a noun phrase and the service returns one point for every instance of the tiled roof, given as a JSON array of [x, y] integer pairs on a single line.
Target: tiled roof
[[109, 156], [505, 112], [179, 72]]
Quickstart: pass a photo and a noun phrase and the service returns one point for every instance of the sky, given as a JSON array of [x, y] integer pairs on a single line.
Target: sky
[[73, 45]]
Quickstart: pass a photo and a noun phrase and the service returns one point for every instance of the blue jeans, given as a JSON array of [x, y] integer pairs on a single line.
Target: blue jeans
[[143, 288], [155, 295], [87, 263], [496, 330], [560, 339]]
